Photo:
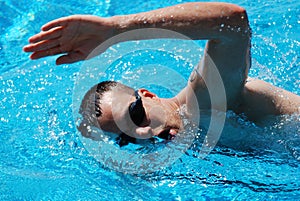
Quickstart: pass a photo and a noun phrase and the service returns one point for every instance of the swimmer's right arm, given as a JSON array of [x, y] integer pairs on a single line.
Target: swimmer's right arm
[[76, 36], [198, 21]]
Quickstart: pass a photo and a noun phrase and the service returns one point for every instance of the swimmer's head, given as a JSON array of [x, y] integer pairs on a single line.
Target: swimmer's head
[[138, 114]]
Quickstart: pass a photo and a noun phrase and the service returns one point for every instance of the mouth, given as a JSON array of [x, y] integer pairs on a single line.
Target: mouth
[[166, 134]]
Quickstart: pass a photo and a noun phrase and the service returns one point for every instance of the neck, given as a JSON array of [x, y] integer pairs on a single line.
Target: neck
[[172, 104], [172, 107], [180, 98]]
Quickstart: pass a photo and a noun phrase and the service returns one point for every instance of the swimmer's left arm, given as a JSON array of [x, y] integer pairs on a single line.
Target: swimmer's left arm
[[261, 99]]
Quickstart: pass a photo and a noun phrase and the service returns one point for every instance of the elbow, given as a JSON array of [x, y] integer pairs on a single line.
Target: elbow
[[240, 22], [233, 23], [242, 17]]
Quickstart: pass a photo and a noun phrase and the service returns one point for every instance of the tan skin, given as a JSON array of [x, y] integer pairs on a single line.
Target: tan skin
[[159, 114], [77, 36]]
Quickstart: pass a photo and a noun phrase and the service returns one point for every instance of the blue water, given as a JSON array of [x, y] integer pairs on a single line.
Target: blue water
[[42, 158]]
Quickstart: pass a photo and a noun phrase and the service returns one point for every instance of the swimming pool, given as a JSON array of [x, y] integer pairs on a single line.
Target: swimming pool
[[43, 159]]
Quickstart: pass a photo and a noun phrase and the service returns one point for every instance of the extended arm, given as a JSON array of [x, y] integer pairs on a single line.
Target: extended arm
[[76, 36], [224, 25]]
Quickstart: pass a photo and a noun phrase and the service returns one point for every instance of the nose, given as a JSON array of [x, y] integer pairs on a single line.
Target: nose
[[144, 132]]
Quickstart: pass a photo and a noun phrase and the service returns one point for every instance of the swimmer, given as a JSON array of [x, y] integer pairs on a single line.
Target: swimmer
[[226, 29]]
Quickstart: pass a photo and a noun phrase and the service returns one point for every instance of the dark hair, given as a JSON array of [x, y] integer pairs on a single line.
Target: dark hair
[[102, 87], [90, 110]]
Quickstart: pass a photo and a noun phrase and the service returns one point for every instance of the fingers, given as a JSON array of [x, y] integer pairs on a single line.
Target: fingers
[[45, 53], [72, 57], [55, 23], [47, 35], [41, 46]]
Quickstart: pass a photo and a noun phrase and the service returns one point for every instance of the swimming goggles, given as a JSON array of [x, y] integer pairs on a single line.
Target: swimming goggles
[[136, 110]]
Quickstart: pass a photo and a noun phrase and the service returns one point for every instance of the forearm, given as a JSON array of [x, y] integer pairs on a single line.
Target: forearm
[[194, 20], [78, 35]]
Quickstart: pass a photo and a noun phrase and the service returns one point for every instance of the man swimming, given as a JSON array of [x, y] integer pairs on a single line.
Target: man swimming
[[141, 113]]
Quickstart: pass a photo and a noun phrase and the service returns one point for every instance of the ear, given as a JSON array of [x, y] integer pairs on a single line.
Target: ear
[[147, 93]]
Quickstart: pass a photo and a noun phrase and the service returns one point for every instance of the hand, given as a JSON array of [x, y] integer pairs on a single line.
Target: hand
[[74, 36]]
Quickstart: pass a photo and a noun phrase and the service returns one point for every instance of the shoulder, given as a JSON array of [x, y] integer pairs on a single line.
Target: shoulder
[[260, 99]]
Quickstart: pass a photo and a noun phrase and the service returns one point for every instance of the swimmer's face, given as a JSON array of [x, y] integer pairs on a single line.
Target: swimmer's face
[[139, 114]]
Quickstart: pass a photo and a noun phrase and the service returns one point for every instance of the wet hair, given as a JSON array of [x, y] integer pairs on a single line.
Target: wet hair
[[102, 87], [90, 110]]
